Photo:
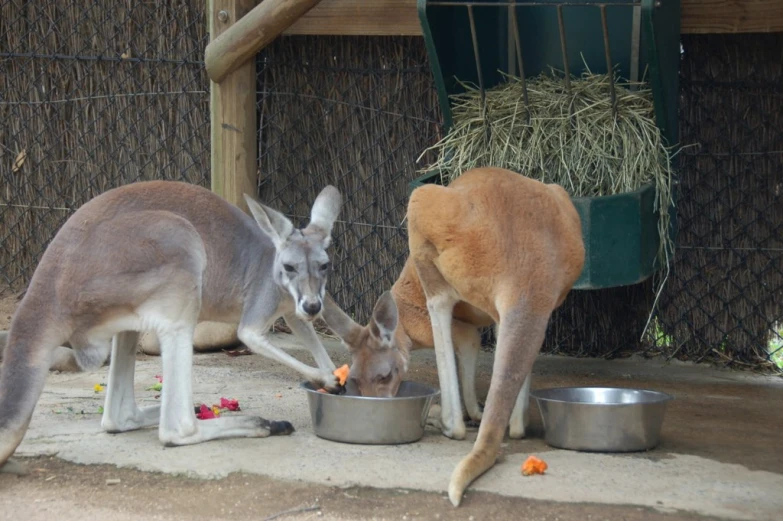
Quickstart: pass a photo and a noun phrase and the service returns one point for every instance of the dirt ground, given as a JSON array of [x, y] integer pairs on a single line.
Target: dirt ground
[[63, 491], [719, 416]]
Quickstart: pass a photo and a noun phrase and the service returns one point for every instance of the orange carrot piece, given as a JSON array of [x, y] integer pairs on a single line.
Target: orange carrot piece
[[342, 373], [342, 376], [533, 465]]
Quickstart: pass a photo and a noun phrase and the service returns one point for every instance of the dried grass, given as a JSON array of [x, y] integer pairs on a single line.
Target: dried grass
[[574, 137]]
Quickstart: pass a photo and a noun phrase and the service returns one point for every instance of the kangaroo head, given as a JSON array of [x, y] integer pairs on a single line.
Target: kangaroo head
[[377, 363], [301, 263]]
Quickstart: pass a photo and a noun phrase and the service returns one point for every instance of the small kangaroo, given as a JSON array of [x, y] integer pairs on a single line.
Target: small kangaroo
[[160, 256], [493, 247]]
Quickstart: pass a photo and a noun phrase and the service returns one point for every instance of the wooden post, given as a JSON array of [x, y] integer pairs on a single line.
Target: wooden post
[[248, 35], [232, 102]]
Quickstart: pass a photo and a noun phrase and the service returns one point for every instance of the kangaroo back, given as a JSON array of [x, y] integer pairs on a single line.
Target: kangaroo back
[[497, 235]]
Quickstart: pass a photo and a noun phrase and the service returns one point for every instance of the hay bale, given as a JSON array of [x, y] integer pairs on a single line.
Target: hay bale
[[573, 137]]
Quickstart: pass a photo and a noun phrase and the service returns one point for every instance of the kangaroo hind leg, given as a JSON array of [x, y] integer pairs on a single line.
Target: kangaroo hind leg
[[520, 336], [178, 423], [120, 412]]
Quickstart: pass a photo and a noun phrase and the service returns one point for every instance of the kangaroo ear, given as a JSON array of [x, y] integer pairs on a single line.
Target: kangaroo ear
[[384, 319], [339, 322], [325, 210], [272, 222]]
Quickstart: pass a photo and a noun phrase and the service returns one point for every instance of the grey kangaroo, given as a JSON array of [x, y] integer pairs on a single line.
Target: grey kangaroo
[[161, 256]]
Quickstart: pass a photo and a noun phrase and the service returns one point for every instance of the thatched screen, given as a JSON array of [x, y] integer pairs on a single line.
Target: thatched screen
[[93, 95], [726, 298]]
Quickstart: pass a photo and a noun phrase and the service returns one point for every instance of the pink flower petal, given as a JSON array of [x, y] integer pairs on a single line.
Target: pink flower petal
[[230, 404], [205, 413]]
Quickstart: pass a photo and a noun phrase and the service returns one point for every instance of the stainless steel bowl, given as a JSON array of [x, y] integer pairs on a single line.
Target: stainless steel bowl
[[601, 419], [351, 418]]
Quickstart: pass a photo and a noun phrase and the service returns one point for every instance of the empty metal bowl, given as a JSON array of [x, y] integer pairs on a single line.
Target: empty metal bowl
[[351, 418], [601, 419]]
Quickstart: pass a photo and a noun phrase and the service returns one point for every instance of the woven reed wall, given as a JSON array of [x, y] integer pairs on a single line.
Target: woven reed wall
[[93, 95]]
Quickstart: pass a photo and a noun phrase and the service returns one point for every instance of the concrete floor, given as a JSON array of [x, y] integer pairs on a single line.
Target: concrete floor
[[721, 452]]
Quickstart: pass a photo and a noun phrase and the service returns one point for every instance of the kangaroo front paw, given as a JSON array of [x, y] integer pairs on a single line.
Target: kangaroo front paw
[[451, 429], [472, 424], [328, 381], [280, 428], [455, 432], [473, 415]]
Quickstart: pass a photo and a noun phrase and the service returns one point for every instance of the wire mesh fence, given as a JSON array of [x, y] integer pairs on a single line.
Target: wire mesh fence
[[94, 96], [724, 301]]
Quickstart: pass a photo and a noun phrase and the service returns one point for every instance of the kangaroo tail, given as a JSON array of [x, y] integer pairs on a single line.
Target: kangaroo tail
[[27, 357], [520, 335]]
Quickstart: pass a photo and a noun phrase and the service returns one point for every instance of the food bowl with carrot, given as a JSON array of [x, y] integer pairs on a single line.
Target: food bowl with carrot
[[348, 417]]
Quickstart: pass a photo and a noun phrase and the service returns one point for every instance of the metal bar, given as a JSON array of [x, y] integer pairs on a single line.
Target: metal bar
[[564, 48], [487, 131], [476, 52], [520, 65], [636, 29], [511, 58], [610, 70]]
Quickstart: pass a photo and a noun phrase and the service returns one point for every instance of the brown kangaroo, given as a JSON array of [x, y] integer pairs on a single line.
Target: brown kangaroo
[[161, 256], [493, 247]]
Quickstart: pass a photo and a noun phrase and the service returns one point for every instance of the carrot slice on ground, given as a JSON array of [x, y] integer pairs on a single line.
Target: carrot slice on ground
[[342, 373], [533, 465]]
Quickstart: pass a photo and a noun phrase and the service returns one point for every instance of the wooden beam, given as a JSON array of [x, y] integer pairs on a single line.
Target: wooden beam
[[399, 17], [232, 106], [360, 17], [732, 16], [244, 37]]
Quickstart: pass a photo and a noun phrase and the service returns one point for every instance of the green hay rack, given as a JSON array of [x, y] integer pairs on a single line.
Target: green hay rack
[[475, 41]]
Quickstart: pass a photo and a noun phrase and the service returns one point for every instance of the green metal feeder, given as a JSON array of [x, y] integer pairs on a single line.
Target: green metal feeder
[[473, 41]]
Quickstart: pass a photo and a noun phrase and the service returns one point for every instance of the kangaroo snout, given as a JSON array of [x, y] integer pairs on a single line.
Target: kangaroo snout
[[311, 307]]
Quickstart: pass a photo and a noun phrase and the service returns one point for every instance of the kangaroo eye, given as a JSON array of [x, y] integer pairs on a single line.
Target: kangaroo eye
[[325, 266], [289, 268]]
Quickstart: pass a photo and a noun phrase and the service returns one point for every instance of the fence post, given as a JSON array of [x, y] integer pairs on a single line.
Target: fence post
[[232, 104]]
